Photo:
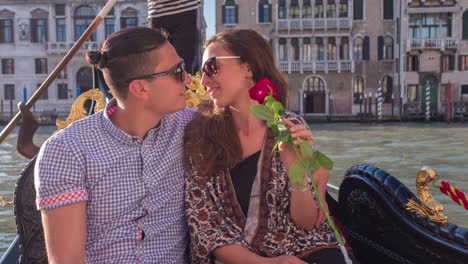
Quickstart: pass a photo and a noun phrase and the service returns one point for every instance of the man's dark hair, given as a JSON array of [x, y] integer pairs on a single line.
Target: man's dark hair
[[126, 54]]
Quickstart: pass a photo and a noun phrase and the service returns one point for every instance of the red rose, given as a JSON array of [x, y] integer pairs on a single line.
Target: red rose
[[261, 89]]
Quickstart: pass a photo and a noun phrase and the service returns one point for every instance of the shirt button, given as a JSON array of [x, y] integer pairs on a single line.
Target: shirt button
[[145, 211], [141, 235]]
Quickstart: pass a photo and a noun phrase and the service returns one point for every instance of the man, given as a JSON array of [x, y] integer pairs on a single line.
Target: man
[[179, 19], [110, 187]]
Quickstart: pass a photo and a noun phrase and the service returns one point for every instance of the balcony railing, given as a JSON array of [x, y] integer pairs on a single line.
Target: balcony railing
[[430, 43], [316, 23], [316, 66], [64, 47]]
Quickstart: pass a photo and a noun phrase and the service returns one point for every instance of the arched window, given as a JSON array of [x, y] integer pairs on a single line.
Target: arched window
[[84, 80], [39, 26], [358, 89], [314, 95], [129, 18], [306, 9], [388, 48], [320, 50], [294, 11], [294, 49], [331, 8], [344, 48], [314, 84], [264, 11], [109, 23], [307, 49], [6, 26], [331, 49], [465, 25], [318, 9], [230, 12], [84, 16], [385, 48], [282, 50], [282, 9], [387, 89], [357, 48]]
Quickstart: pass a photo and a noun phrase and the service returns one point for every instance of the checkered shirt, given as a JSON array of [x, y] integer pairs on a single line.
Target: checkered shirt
[[133, 187]]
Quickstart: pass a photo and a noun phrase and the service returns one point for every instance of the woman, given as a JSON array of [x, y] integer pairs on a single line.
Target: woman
[[240, 204]]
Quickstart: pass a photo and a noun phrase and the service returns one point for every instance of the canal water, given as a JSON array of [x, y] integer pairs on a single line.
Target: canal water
[[399, 148]]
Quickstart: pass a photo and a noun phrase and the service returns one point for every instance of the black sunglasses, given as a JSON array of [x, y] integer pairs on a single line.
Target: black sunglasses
[[210, 68], [179, 73]]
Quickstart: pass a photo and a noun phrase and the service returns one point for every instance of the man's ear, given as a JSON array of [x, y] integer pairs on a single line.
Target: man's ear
[[249, 71], [138, 89]]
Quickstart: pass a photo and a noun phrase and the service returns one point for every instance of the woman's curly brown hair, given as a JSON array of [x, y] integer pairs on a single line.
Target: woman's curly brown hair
[[211, 142]]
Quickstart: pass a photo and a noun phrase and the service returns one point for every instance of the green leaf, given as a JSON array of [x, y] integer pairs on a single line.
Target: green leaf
[[324, 161], [271, 122], [275, 146], [285, 137], [263, 113], [313, 163], [269, 100], [306, 149], [296, 173], [276, 107], [268, 103], [275, 130]]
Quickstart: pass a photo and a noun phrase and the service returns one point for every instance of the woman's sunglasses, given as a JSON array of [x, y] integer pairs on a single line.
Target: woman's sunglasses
[[178, 72], [210, 68]]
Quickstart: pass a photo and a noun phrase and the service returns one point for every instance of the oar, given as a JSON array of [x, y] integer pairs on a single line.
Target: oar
[[53, 75]]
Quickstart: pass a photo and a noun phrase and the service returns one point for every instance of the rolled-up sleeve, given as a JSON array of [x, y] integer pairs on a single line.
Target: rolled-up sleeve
[[59, 175]]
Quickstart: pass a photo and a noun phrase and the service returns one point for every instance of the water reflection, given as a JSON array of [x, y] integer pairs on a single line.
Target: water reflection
[[400, 149], [11, 164]]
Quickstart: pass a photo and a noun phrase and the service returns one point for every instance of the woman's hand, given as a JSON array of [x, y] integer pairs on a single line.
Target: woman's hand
[[288, 155], [285, 260]]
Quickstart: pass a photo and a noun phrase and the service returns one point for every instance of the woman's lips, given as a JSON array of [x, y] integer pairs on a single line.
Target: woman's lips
[[212, 91]]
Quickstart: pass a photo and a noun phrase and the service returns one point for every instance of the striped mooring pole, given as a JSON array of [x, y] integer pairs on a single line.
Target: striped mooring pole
[[428, 102], [379, 100]]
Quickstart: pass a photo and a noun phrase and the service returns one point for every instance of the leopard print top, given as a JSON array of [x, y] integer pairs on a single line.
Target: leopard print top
[[216, 219]]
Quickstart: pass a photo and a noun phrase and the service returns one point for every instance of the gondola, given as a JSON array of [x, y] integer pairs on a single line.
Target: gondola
[[371, 206], [377, 214]]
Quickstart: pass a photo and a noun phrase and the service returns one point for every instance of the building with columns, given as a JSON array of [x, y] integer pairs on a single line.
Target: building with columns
[[36, 34], [333, 51], [435, 48], [338, 52]]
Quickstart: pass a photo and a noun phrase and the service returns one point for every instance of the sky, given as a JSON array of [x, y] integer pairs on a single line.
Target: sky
[[209, 14]]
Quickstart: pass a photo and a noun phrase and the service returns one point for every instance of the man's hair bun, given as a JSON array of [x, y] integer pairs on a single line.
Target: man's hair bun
[[96, 58]]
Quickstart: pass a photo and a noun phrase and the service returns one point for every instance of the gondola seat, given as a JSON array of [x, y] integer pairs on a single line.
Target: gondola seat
[[371, 206]]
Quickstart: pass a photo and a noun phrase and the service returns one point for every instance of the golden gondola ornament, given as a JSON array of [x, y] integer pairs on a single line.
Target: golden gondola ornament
[[428, 207]]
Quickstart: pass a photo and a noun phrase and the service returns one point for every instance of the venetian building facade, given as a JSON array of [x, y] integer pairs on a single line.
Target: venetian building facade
[[36, 34], [333, 51], [435, 48]]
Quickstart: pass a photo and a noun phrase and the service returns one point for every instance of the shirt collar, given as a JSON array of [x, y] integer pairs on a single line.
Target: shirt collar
[[120, 135]]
